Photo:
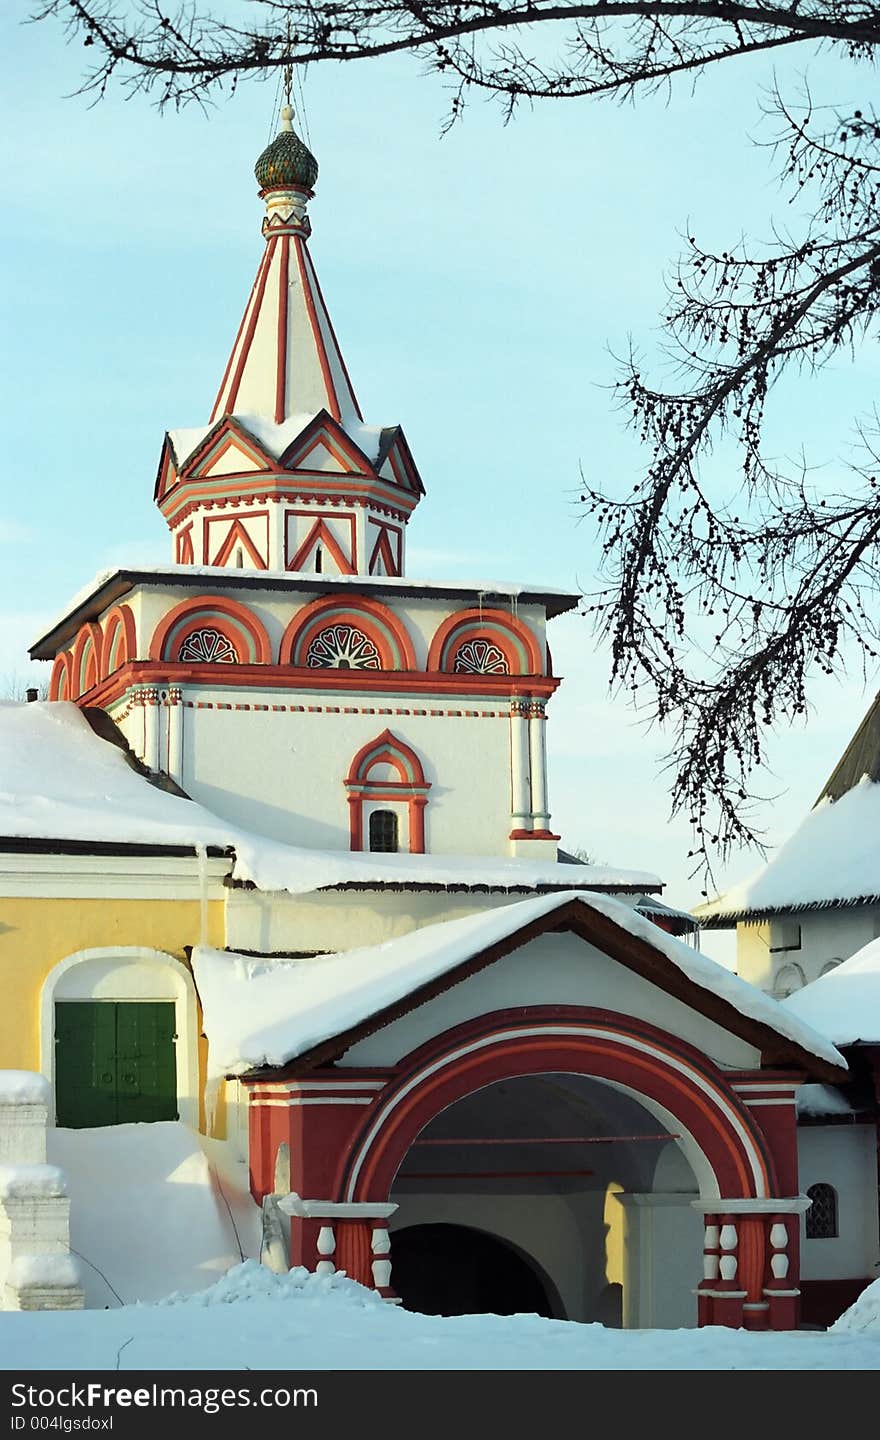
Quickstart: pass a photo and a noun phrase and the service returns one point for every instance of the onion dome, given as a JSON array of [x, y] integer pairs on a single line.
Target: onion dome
[[287, 162]]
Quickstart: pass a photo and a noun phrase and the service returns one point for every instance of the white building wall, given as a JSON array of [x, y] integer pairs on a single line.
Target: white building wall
[[282, 772], [345, 919], [844, 1156], [826, 936]]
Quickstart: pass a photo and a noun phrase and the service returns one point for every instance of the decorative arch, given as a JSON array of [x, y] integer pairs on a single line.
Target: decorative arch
[[227, 630], [358, 629], [86, 663], [368, 785], [60, 682], [485, 642], [689, 1095], [120, 640], [127, 972]]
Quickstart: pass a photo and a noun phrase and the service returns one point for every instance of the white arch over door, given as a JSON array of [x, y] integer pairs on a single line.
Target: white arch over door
[[127, 972]]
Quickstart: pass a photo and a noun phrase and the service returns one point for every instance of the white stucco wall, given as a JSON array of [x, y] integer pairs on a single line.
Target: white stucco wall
[[826, 936], [283, 774], [345, 919], [844, 1156], [280, 769]]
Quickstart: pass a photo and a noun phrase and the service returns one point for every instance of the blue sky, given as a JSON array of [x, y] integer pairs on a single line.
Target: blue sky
[[478, 282]]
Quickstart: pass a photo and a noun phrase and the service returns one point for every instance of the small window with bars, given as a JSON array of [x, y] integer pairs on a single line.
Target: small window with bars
[[821, 1218], [383, 830]]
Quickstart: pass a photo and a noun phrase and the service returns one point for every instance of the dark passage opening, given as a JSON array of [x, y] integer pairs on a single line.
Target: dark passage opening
[[453, 1270]]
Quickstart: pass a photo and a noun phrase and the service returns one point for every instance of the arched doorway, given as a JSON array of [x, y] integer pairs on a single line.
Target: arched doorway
[[119, 1038], [456, 1270], [546, 1193]]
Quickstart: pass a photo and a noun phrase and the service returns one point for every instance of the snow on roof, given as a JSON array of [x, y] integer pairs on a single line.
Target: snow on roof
[[60, 781], [274, 438], [821, 1100], [845, 1003], [832, 858], [267, 1012]]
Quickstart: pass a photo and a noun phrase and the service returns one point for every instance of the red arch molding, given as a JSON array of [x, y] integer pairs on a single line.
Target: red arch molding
[[411, 787], [483, 624], [238, 613], [119, 619], [60, 681], [88, 646], [368, 615], [566, 1039]]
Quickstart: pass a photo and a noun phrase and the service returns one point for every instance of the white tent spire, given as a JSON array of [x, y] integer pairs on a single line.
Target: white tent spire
[[286, 359]]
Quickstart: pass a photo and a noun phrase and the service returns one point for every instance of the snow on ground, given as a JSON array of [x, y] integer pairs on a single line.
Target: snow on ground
[[833, 855], [259, 1012], [147, 1215], [261, 1322], [845, 1003], [862, 1317], [59, 781]]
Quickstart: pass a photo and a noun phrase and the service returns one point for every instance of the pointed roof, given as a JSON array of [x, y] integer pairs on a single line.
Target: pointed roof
[[860, 759], [286, 358]]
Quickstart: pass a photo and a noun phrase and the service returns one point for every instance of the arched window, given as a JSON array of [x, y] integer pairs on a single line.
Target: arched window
[[821, 1218], [383, 830], [387, 772], [788, 979]]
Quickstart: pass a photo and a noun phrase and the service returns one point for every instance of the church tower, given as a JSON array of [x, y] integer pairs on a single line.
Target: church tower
[[286, 476], [282, 668]]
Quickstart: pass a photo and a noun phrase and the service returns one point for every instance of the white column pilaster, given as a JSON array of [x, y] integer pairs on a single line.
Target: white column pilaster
[[520, 783], [538, 762], [174, 722]]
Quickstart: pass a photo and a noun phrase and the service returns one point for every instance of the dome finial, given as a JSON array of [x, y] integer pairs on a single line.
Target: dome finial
[[287, 163]]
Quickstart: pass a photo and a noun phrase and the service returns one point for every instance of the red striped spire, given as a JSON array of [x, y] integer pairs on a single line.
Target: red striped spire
[[286, 359]]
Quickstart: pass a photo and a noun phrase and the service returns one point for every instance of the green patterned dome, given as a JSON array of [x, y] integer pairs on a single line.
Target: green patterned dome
[[287, 161]]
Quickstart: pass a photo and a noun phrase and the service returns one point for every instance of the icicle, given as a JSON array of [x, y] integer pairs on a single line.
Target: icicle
[[212, 1097], [202, 867]]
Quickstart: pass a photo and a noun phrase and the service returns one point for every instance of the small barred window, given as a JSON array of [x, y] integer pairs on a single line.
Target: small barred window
[[383, 830], [821, 1218]]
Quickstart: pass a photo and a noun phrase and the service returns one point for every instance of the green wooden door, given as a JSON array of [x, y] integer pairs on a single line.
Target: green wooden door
[[114, 1062]]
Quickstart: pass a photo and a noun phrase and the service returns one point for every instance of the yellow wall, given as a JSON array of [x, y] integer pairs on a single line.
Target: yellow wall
[[36, 933]]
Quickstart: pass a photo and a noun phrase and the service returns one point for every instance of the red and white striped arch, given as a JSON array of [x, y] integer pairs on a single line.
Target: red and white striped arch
[[506, 632], [120, 640], [368, 784], [61, 679], [687, 1093], [386, 631], [243, 630], [86, 661]]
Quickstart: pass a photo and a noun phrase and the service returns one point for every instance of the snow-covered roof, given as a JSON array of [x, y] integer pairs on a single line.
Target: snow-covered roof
[[109, 585], [845, 1003], [833, 858], [267, 1012], [60, 782], [275, 438], [822, 1100]]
